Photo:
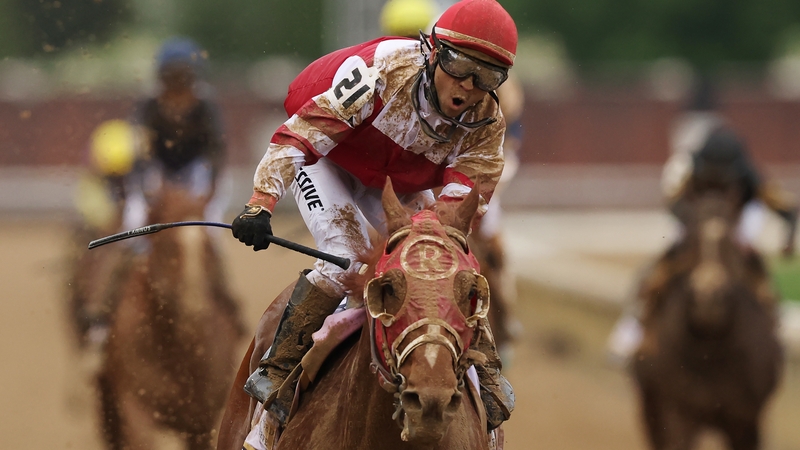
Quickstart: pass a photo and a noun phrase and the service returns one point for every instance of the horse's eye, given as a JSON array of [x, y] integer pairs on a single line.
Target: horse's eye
[[466, 290], [392, 292], [388, 289]]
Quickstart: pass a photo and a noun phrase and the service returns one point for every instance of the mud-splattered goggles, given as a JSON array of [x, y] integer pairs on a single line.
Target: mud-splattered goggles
[[486, 77]]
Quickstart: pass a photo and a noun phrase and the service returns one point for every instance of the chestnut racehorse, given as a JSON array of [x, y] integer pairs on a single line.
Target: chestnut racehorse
[[401, 382], [169, 360], [710, 357]]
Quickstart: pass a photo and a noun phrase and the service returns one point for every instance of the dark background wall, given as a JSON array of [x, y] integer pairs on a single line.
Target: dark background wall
[[592, 127]]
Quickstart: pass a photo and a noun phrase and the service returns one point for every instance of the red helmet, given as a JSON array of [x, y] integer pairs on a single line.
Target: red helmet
[[481, 25]]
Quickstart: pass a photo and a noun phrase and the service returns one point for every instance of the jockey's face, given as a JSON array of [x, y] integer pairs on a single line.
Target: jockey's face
[[177, 77], [456, 95]]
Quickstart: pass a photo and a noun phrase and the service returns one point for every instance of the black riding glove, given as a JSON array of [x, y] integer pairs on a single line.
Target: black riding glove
[[252, 227]]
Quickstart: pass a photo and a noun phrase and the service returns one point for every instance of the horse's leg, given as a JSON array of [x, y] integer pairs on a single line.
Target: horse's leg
[[652, 417], [109, 414], [136, 423], [742, 435], [666, 429], [679, 431], [221, 292]]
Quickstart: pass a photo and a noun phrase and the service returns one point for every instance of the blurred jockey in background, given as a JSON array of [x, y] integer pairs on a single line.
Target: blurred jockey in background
[[409, 18], [701, 135], [706, 152], [422, 112], [178, 140], [99, 200], [182, 138]]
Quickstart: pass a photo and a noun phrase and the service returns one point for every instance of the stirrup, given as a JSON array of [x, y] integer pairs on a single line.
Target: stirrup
[[264, 388], [498, 402], [259, 386]]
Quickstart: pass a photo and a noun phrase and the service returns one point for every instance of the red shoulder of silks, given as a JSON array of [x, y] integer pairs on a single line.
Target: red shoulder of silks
[[318, 76]]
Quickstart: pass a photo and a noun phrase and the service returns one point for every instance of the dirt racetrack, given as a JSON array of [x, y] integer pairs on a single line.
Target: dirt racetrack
[[568, 397]]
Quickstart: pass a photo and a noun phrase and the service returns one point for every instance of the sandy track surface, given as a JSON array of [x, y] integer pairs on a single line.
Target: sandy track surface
[[568, 396]]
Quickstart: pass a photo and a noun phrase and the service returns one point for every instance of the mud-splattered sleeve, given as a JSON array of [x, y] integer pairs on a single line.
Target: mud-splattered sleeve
[[316, 128], [480, 158]]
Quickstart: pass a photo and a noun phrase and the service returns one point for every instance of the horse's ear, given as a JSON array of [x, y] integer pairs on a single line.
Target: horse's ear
[[466, 210], [396, 215]]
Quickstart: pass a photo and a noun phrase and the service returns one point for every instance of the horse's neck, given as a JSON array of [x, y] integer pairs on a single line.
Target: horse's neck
[[180, 278], [710, 274], [365, 392], [367, 380], [712, 234]]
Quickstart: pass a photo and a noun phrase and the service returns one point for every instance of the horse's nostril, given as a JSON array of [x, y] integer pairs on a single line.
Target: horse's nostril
[[455, 401], [411, 401], [430, 403]]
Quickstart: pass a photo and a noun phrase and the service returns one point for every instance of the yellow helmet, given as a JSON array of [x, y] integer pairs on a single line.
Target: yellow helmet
[[407, 17], [113, 147]]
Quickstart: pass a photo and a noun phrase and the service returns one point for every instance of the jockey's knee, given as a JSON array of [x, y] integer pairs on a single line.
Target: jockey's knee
[[327, 281]]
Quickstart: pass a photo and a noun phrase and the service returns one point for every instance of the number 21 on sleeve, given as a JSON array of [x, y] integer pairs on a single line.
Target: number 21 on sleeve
[[353, 86]]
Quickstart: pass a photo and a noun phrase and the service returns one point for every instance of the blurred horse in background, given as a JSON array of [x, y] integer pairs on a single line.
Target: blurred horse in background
[[710, 357], [93, 277], [172, 337], [506, 328], [402, 381]]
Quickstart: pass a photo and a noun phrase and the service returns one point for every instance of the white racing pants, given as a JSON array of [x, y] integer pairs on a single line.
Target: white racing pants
[[338, 210]]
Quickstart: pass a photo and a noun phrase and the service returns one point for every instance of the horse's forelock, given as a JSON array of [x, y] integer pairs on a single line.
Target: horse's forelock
[[352, 280]]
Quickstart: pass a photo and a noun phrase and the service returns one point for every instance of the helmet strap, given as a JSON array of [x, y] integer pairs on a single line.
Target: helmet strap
[[426, 127], [429, 90]]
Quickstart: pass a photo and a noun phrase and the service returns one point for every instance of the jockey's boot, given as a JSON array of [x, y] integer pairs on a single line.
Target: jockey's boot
[[496, 392], [304, 314]]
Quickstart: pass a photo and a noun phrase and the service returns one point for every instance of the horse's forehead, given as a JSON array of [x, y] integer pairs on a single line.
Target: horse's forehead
[[428, 253]]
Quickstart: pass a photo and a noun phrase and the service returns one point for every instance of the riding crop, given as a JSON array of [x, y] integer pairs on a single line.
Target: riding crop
[[344, 263]]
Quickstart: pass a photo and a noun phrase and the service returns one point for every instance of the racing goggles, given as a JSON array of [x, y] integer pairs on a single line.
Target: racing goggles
[[486, 77]]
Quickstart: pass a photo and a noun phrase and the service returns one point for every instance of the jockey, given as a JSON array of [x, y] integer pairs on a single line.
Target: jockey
[[702, 140], [707, 156], [182, 136], [99, 199], [422, 112]]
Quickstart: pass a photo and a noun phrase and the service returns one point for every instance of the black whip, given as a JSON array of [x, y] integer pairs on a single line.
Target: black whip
[[344, 263]]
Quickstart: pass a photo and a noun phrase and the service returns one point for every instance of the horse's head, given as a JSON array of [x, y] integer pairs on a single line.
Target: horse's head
[[715, 276], [425, 302]]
